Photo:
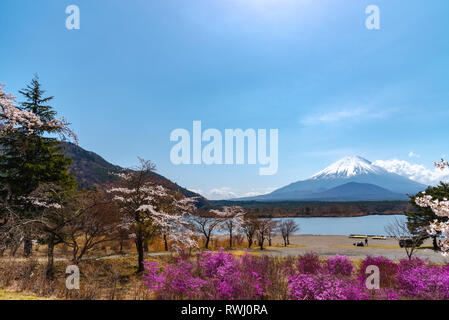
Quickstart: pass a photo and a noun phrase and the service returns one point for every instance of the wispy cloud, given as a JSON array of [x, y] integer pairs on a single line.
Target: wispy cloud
[[360, 113]]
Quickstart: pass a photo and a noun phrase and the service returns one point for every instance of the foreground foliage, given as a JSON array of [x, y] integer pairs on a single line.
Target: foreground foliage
[[227, 277]]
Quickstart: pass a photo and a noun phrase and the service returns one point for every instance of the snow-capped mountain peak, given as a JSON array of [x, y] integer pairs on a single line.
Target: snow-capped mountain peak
[[348, 167], [349, 179]]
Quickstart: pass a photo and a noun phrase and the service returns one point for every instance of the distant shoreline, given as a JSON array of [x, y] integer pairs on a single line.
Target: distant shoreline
[[316, 209]]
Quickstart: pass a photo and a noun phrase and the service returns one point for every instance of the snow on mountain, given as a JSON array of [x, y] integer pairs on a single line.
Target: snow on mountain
[[349, 169]]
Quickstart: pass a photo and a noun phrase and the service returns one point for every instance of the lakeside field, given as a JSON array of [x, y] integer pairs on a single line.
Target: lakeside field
[[330, 245], [323, 245]]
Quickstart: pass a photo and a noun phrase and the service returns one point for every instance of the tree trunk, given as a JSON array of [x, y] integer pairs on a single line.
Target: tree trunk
[[27, 247], [269, 242], [409, 253], [435, 244], [140, 254], [230, 239], [206, 244], [250, 243], [165, 242], [145, 245], [50, 257], [261, 244], [77, 258], [14, 249]]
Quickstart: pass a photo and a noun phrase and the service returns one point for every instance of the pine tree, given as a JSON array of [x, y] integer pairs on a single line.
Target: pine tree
[[31, 156], [421, 217]]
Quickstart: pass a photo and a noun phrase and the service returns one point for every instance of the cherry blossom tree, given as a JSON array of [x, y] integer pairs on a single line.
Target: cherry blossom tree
[[148, 208], [12, 228], [233, 219], [205, 222], [441, 209], [263, 230], [79, 219], [49, 219], [272, 230], [249, 228], [45, 223]]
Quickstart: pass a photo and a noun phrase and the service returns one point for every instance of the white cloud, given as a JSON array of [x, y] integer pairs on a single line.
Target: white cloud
[[360, 113], [221, 194], [225, 193], [416, 172]]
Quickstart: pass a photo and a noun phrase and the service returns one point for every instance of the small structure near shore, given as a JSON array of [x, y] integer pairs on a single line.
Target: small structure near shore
[[357, 236]]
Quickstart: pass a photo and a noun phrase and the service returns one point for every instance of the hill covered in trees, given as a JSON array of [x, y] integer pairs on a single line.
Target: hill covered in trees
[[91, 170]]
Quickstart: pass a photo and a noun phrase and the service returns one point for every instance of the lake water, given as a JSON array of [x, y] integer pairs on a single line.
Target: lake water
[[367, 225]]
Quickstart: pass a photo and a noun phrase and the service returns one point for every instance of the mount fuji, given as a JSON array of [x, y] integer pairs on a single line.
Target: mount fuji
[[349, 179]]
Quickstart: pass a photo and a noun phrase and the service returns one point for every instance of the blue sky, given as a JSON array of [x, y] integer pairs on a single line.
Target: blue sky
[[136, 70]]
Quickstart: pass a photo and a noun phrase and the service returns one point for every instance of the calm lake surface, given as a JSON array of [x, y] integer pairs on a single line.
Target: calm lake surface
[[372, 225]]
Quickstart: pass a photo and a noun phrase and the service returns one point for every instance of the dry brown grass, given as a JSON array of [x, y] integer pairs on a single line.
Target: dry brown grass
[[110, 279]]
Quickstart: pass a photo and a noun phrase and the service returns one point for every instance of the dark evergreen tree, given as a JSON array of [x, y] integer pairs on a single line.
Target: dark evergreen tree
[[32, 155], [421, 217]]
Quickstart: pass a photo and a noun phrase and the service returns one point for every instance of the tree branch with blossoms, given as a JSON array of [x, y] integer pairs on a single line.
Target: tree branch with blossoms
[[14, 118], [441, 209]]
